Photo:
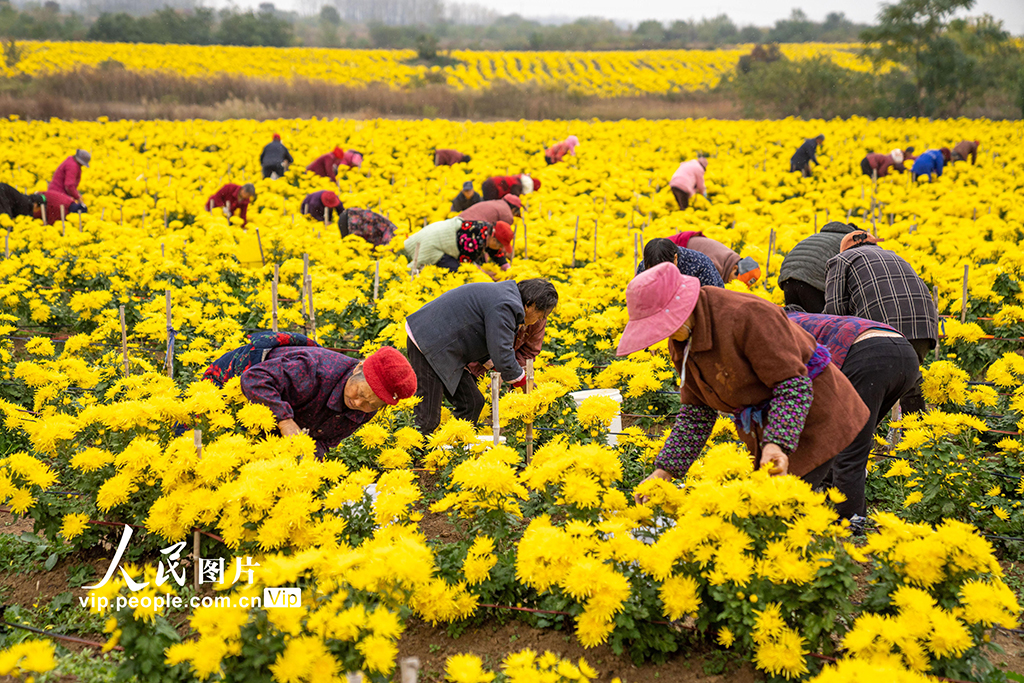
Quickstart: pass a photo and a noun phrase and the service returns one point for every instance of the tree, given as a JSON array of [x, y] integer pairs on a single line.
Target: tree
[[329, 15], [915, 33], [649, 33]]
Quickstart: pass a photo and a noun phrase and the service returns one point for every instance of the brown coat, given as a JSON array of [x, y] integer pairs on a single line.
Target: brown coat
[[742, 346], [964, 149], [724, 258]]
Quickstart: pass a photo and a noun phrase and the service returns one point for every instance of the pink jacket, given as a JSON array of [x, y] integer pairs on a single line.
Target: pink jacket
[[689, 177], [558, 150], [66, 178]]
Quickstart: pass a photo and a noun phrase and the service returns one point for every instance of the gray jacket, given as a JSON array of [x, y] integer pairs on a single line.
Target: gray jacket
[[471, 323], [806, 261]]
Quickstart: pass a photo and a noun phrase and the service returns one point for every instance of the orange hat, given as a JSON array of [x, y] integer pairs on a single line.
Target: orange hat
[[747, 271], [389, 375], [857, 238], [503, 233]]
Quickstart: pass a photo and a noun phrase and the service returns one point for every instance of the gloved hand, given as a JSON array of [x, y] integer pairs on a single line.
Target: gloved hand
[[521, 384]]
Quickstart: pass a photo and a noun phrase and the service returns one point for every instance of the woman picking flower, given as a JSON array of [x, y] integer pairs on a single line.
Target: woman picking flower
[[739, 354]]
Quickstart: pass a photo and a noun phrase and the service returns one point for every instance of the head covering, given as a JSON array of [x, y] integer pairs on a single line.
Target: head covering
[[338, 152], [329, 199], [945, 153], [528, 183], [572, 141], [897, 155], [277, 137], [703, 161], [659, 301], [503, 233], [468, 185], [857, 238], [250, 189], [466, 157], [389, 375], [747, 271], [513, 200], [355, 158], [82, 157]]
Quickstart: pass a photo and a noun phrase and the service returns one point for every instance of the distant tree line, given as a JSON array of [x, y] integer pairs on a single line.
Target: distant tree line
[[390, 24]]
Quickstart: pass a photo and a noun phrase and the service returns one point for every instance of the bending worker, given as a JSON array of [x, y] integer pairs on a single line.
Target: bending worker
[[805, 154], [555, 153], [731, 266], [501, 185], [802, 274], [452, 242], [466, 198], [739, 354], [319, 205], [688, 180], [313, 389], [688, 261], [233, 198], [275, 158], [67, 176], [474, 323]]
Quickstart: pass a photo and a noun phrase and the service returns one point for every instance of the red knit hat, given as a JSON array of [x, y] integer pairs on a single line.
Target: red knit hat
[[338, 153], [503, 233], [536, 184], [389, 375], [330, 200], [276, 136]]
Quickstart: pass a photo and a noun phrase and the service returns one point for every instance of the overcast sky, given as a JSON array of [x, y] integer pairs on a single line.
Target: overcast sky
[[757, 12]]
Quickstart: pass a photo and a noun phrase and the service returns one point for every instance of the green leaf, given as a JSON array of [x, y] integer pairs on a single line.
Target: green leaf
[[51, 561]]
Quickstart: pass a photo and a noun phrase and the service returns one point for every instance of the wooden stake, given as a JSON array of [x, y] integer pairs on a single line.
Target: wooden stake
[[122, 215], [7, 244], [312, 310], [768, 262], [163, 254], [62, 221], [169, 359], [124, 340], [575, 239], [416, 261], [815, 222], [963, 300], [935, 298], [495, 391], [376, 279], [595, 240], [526, 244], [636, 238], [302, 289], [79, 221], [529, 426], [197, 438], [166, 222], [273, 298], [410, 667], [259, 242]]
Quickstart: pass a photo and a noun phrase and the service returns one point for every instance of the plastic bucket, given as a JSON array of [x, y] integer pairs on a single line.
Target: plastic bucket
[[616, 426]]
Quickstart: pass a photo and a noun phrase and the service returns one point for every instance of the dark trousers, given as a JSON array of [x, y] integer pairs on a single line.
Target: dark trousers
[[882, 370], [805, 168], [865, 167], [467, 401], [275, 168], [449, 262], [682, 198], [806, 296], [489, 190], [914, 401]]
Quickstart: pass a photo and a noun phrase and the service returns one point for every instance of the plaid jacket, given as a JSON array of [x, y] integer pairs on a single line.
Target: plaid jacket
[[870, 282]]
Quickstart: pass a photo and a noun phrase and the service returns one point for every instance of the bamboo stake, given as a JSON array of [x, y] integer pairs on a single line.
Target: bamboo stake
[[62, 221], [636, 237], [79, 221], [197, 439], [122, 215], [416, 261], [273, 298], [768, 262], [163, 254], [259, 242], [529, 426], [7, 244], [595, 240], [312, 310], [815, 223], [169, 359], [963, 300], [495, 390], [575, 239], [124, 340], [376, 279], [526, 244], [935, 298], [302, 289]]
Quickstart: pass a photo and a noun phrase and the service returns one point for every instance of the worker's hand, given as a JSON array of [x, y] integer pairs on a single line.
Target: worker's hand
[[772, 456], [656, 474], [289, 428], [227, 212]]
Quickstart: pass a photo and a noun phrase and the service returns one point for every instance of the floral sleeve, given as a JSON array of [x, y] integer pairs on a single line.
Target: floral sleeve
[[689, 435], [471, 242], [791, 401]]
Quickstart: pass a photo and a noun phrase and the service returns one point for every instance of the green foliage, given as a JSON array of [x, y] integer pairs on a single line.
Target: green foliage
[[813, 88]]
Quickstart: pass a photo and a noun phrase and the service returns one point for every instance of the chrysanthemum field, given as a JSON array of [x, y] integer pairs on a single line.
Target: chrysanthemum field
[[95, 441]]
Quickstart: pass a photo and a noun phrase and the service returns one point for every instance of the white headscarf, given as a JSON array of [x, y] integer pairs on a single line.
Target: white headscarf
[[897, 155], [527, 183]]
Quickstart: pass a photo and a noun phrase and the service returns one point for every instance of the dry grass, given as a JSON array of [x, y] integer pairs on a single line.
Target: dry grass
[[120, 94]]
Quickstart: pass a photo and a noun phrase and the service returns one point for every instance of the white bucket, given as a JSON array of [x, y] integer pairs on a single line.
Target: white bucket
[[616, 426]]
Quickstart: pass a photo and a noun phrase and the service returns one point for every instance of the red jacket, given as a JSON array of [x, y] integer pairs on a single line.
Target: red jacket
[[881, 163], [66, 178], [230, 193], [326, 166], [507, 184], [447, 157], [55, 200]]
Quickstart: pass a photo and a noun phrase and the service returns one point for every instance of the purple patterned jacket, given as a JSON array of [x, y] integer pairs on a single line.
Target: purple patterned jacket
[[307, 384]]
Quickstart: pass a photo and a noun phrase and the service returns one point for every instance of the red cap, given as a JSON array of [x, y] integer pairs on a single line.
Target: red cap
[[503, 233], [389, 375], [329, 199], [536, 183], [513, 200], [276, 136], [338, 153]]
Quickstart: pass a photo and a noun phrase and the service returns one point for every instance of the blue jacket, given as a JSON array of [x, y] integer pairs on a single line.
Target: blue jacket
[[928, 163], [471, 323]]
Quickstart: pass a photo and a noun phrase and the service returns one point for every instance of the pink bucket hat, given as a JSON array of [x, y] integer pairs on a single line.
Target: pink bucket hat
[[659, 301]]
